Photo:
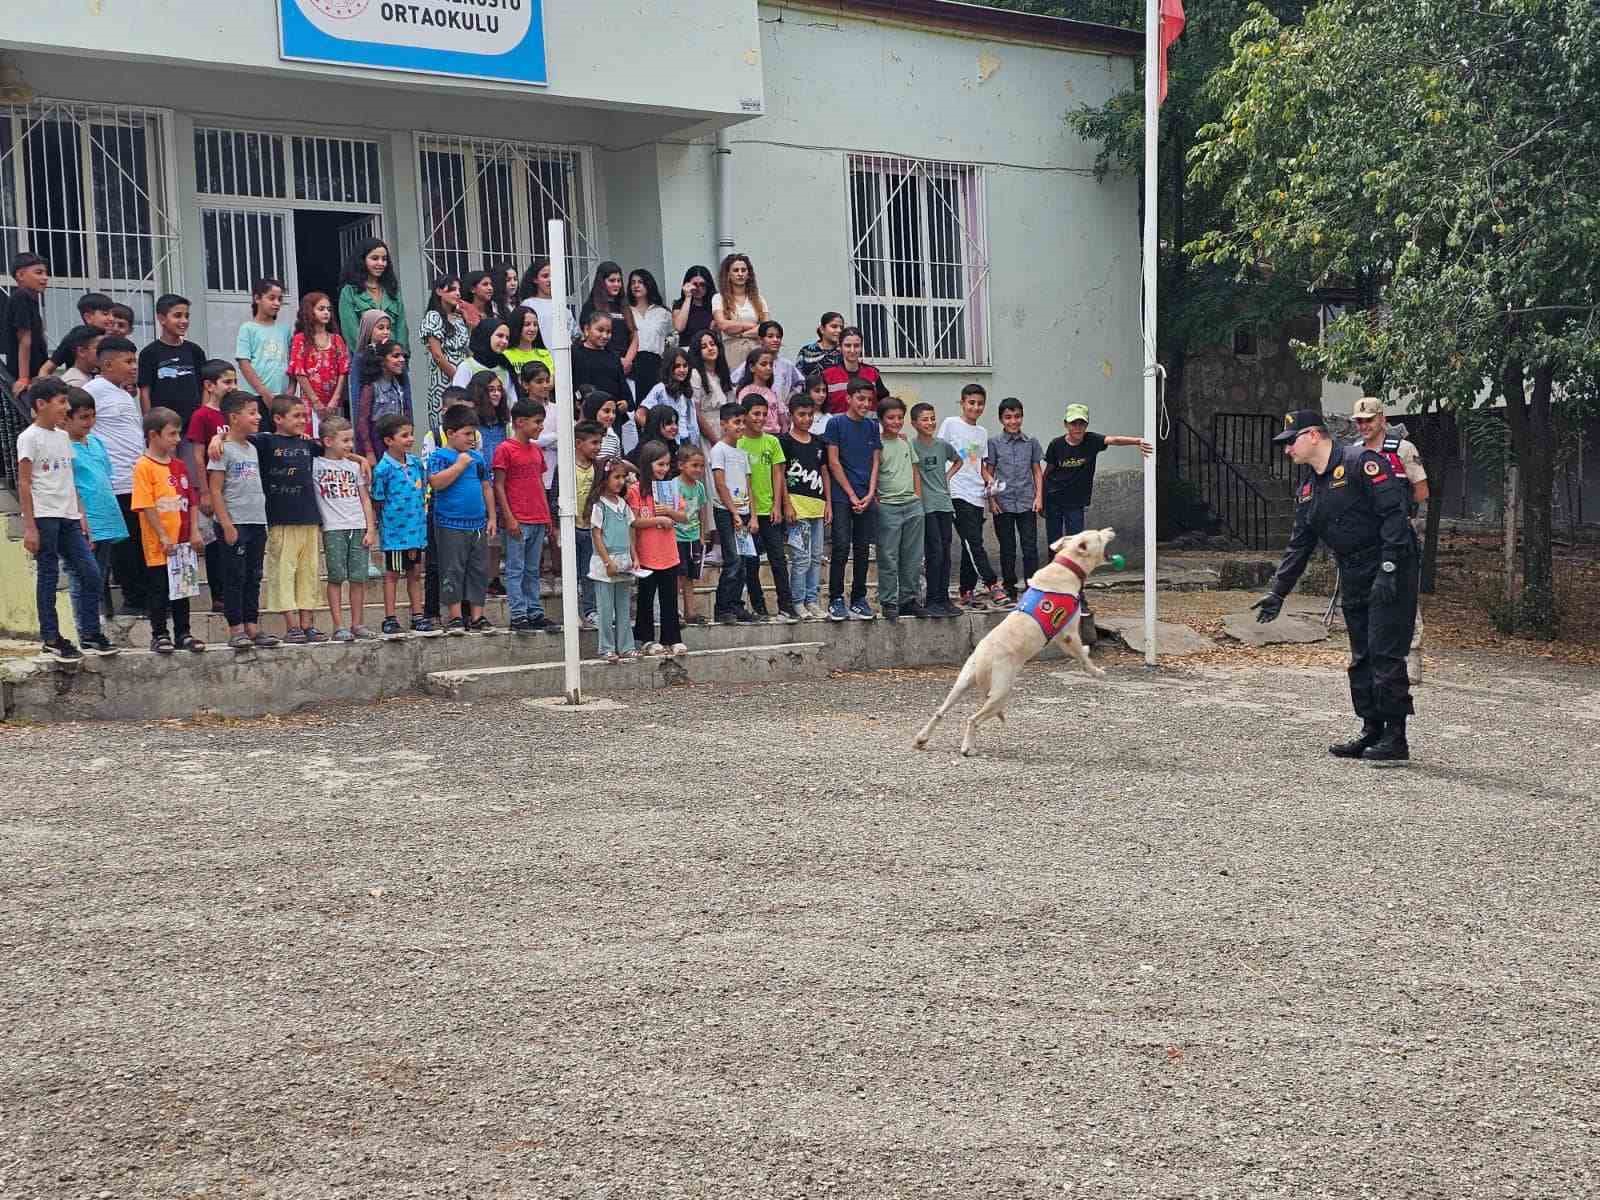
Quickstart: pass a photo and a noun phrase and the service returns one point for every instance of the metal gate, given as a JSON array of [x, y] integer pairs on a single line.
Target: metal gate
[[89, 188]]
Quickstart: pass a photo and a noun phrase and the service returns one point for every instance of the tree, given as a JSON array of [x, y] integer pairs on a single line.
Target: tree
[[1450, 155]]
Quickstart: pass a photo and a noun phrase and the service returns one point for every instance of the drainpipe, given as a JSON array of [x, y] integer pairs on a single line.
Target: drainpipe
[[725, 238]]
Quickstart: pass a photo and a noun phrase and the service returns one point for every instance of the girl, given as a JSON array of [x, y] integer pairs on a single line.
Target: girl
[[595, 364], [737, 309], [505, 291], [817, 389], [535, 294], [848, 366], [319, 361], [661, 425], [675, 392], [370, 282], [385, 388], [691, 548], [376, 328], [709, 383], [262, 351], [488, 353], [488, 396], [651, 324], [477, 297], [527, 344], [691, 312], [657, 547], [611, 563], [824, 352], [596, 405], [758, 369], [605, 295], [446, 336]]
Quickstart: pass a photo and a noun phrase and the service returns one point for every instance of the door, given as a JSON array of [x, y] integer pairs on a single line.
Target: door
[[243, 245], [353, 234]]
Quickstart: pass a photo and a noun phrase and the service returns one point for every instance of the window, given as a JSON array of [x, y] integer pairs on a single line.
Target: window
[[919, 260], [247, 165]]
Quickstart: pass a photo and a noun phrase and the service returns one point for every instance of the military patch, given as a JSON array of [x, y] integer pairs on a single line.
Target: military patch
[[1371, 468], [1338, 472], [1305, 491]]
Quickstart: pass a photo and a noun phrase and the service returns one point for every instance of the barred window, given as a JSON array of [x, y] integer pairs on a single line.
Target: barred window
[[919, 260]]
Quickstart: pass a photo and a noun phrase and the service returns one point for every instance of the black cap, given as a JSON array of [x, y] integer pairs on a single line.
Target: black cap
[[1297, 422]]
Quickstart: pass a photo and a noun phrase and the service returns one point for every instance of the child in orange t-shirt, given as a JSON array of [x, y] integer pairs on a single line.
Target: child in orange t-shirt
[[164, 500], [656, 547]]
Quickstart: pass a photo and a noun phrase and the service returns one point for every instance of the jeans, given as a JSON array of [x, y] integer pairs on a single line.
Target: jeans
[[158, 606], [730, 583], [463, 566], [805, 559], [61, 538], [659, 586], [975, 565], [1009, 529], [853, 535], [1060, 521], [585, 543], [936, 530], [523, 554], [616, 633], [241, 575], [127, 557], [102, 560], [899, 552]]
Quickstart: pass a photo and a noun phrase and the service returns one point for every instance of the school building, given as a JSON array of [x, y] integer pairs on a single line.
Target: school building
[[907, 162]]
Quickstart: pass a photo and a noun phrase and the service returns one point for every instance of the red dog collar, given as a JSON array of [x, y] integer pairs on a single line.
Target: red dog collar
[[1063, 560]]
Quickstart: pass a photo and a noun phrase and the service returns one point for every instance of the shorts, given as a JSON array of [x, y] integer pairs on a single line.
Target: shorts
[[401, 562], [348, 560], [692, 556], [293, 552]]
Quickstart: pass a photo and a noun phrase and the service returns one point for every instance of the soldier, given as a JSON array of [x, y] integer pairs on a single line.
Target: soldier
[[1377, 434], [1355, 504]]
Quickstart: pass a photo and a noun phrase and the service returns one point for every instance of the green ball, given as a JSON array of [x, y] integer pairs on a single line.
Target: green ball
[[1118, 562]]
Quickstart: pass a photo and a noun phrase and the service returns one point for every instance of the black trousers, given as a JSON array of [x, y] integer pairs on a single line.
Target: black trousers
[[663, 586], [771, 544], [1011, 528], [430, 575], [936, 532], [1380, 638], [213, 557], [127, 559], [156, 590], [238, 581], [853, 536], [730, 580], [975, 565]]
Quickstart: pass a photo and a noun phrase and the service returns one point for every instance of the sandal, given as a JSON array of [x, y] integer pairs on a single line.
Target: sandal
[[194, 645], [161, 645], [613, 659]]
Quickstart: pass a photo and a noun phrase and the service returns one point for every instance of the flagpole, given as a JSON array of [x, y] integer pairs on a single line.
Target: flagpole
[[1147, 353], [559, 341]]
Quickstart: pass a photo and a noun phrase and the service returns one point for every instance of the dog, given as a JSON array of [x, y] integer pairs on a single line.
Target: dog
[[1051, 609]]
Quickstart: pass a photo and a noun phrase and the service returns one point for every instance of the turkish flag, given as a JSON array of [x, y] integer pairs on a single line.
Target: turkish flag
[[1172, 22]]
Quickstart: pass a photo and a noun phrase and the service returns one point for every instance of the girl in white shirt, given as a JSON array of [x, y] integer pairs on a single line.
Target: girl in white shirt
[[709, 383], [651, 324]]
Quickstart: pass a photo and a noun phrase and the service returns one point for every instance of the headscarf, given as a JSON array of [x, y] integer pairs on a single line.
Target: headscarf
[[369, 322], [483, 354]]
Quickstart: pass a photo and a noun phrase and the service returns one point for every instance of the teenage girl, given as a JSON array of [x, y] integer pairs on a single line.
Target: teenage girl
[[527, 345], [657, 551], [605, 295], [446, 336], [850, 366], [651, 324], [611, 563], [385, 389], [710, 383], [371, 282], [595, 364], [319, 361], [758, 369], [477, 297], [677, 393], [737, 309], [596, 405], [824, 352], [535, 294], [490, 340], [691, 312]]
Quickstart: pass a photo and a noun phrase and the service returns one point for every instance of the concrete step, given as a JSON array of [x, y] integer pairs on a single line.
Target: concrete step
[[780, 663]]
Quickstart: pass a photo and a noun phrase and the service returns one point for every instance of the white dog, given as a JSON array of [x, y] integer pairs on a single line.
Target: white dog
[[1050, 609]]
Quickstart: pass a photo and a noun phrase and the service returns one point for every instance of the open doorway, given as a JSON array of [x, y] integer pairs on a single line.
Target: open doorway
[[323, 240]]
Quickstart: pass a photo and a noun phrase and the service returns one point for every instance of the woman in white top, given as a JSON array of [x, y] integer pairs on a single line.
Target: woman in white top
[[535, 294], [737, 309], [651, 324], [710, 383]]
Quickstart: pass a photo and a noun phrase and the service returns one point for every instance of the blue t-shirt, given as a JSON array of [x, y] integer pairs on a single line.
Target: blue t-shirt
[[402, 489], [459, 506], [91, 473], [267, 348], [856, 441]]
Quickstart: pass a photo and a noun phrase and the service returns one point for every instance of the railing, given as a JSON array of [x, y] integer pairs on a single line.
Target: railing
[[1246, 438], [1236, 501], [12, 423]]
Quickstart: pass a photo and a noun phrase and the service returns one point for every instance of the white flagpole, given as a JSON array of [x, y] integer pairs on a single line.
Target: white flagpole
[[558, 340], [1152, 110]]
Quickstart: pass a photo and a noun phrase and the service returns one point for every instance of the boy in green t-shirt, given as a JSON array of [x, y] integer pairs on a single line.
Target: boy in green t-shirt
[[766, 512], [899, 516], [937, 461]]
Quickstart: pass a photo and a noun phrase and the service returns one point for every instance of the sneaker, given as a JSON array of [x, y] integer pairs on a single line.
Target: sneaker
[[161, 645], [974, 601], [241, 641], [456, 627], [295, 636], [862, 611], [315, 636], [1000, 598], [891, 612], [64, 651], [100, 646], [788, 616], [697, 620], [679, 650], [915, 609], [426, 627], [543, 624], [265, 641], [629, 656], [590, 622], [713, 557], [339, 635], [837, 610], [391, 630], [363, 634], [743, 616], [520, 625], [652, 650], [481, 625]]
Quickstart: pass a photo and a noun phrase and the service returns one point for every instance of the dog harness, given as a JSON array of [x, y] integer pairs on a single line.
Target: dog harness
[[1053, 611]]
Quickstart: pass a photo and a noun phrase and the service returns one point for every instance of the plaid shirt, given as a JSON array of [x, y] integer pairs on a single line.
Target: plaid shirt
[[1012, 457]]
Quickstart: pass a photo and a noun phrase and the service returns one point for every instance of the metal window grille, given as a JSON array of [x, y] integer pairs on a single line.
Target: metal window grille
[[250, 165], [88, 188], [243, 246], [487, 202], [919, 259]]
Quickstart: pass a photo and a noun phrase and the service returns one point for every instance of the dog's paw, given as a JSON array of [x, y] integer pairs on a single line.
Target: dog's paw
[[969, 752], [1097, 672]]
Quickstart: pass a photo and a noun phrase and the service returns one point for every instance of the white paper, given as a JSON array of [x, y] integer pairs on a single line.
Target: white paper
[[183, 572]]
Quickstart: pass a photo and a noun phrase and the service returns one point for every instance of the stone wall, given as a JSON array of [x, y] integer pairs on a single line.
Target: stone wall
[[1270, 380]]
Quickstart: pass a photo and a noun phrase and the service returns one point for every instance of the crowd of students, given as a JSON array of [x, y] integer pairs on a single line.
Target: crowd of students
[[698, 443]]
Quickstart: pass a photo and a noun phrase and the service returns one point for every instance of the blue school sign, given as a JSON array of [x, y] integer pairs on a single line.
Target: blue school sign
[[475, 39]]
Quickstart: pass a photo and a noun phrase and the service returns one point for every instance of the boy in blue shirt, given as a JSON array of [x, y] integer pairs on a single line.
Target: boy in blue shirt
[[91, 473], [854, 448], [400, 494], [464, 524]]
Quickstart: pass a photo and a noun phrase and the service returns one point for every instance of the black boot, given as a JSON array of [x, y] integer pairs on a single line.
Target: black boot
[[1391, 747], [1371, 731]]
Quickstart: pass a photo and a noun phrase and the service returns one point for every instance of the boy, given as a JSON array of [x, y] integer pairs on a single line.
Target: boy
[[432, 439], [94, 308], [53, 525], [854, 449], [22, 339], [164, 499], [239, 502], [347, 527], [767, 502], [805, 505], [691, 543], [120, 425], [969, 496], [1069, 463], [170, 366], [217, 379], [730, 508], [75, 356], [91, 474], [464, 521], [262, 348], [899, 516], [586, 438], [400, 493], [937, 463], [524, 515], [1014, 464], [120, 321]]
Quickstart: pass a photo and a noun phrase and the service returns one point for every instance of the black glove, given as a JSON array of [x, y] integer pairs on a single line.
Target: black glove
[[1386, 586], [1269, 607]]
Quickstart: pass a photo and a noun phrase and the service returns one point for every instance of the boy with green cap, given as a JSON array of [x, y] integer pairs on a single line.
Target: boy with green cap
[[1069, 472]]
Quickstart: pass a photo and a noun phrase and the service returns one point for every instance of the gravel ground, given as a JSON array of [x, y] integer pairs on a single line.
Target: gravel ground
[[1155, 943]]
